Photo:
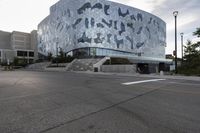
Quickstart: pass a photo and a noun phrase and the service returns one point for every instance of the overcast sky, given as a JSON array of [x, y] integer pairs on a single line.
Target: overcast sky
[[24, 15]]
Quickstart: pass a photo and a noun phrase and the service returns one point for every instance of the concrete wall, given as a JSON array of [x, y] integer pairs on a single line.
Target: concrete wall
[[7, 55], [119, 68], [10, 43], [5, 38], [20, 40], [34, 43]]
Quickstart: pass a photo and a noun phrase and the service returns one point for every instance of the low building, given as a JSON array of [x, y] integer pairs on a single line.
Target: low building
[[18, 45]]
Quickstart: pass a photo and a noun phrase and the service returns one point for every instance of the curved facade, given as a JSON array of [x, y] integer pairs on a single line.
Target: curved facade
[[101, 28]]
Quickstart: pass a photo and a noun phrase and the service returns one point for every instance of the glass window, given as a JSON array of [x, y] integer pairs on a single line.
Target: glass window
[[21, 53], [93, 51], [31, 54], [99, 51]]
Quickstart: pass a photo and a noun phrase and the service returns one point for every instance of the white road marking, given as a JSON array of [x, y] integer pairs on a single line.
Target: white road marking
[[143, 81]]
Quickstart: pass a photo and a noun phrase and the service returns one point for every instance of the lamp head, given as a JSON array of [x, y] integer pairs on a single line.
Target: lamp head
[[181, 33], [175, 13]]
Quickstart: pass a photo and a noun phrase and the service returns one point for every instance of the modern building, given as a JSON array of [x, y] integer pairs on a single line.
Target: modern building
[[18, 44], [87, 28]]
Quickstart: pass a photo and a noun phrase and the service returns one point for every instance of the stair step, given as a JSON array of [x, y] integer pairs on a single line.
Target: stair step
[[83, 64]]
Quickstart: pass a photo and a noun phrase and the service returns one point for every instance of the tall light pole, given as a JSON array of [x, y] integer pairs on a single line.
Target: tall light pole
[[175, 13], [57, 54], [182, 44]]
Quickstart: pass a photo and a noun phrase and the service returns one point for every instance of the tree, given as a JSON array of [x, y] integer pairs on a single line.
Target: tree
[[191, 49], [61, 53], [191, 60], [197, 32], [61, 57], [49, 56]]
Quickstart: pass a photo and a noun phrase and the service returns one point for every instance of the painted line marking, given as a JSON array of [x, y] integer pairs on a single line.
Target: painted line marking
[[143, 81]]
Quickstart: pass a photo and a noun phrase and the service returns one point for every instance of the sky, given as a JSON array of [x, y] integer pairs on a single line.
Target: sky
[[25, 15]]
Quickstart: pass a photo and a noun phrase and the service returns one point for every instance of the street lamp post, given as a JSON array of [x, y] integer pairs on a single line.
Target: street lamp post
[[182, 44], [175, 13], [57, 53]]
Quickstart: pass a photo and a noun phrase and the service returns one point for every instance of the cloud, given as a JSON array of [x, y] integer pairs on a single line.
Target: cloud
[[188, 18], [182, 22], [147, 5], [24, 15]]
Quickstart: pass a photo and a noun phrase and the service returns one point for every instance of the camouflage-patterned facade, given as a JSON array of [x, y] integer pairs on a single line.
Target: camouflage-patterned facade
[[101, 28]]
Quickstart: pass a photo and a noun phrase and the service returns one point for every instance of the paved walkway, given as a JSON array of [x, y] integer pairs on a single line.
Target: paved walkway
[[195, 78]]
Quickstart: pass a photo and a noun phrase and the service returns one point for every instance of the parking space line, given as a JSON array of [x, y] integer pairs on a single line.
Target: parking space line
[[143, 81]]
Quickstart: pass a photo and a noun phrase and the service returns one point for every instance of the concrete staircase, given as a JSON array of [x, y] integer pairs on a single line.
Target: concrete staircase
[[83, 64], [38, 66]]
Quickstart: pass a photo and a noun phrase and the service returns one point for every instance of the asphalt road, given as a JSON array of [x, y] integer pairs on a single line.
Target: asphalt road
[[56, 102]]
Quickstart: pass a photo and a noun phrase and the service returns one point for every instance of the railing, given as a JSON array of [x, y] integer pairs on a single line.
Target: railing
[[98, 65], [70, 64]]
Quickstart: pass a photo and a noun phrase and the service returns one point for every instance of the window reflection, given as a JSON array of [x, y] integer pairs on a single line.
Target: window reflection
[[90, 52]]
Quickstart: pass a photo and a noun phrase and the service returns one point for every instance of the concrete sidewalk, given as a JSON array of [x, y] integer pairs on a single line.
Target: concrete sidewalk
[[195, 78], [180, 77]]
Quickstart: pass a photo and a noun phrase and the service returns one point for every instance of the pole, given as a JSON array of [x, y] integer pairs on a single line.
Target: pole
[[57, 54], [176, 45], [182, 44], [175, 13]]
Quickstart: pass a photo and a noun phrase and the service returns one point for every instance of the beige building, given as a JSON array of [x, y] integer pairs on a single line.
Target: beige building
[[18, 44]]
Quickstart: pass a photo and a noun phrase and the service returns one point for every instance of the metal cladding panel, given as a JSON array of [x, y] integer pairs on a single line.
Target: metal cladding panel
[[74, 24]]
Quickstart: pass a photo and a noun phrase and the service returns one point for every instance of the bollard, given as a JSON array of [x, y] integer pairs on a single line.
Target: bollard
[[161, 73]]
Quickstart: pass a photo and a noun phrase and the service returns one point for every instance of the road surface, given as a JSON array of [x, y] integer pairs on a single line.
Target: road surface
[[67, 102]]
